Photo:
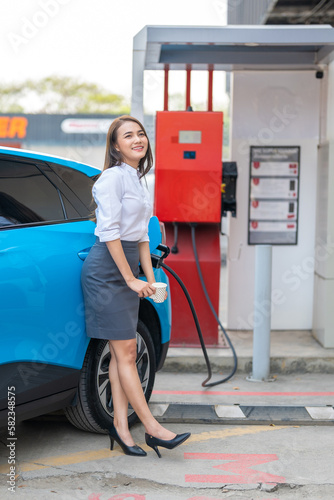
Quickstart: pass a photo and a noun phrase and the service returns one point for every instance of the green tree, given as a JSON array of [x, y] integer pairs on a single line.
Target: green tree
[[55, 94], [9, 99]]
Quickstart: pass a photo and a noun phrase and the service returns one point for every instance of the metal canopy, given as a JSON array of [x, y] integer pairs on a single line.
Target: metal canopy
[[231, 48]]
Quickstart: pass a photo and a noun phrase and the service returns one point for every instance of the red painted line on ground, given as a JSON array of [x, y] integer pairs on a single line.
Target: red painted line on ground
[[239, 464], [242, 393]]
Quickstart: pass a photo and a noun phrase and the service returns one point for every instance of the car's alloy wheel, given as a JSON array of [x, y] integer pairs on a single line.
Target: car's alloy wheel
[[93, 410]]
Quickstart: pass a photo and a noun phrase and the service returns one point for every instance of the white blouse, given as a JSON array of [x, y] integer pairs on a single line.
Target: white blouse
[[123, 204]]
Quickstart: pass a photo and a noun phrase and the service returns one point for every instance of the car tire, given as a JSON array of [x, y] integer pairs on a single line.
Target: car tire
[[93, 410]]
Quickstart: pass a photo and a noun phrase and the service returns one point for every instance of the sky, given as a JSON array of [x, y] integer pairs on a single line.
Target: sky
[[92, 40]]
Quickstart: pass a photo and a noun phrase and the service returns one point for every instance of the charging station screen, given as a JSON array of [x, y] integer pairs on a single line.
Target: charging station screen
[[190, 137]]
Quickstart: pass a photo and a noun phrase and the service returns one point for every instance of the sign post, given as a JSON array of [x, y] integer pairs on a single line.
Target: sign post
[[262, 318]]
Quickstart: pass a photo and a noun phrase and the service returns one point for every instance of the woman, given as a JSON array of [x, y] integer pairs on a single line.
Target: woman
[[110, 277]]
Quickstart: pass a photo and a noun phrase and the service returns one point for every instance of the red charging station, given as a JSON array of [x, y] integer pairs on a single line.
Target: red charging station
[[188, 166], [188, 190]]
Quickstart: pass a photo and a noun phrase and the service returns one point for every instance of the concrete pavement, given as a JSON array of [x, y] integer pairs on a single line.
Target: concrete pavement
[[291, 352], [56, 460], [281, 461]]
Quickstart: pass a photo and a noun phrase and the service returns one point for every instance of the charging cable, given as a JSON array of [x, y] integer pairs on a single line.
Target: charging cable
[[158, 262], [176, 234], [235, 365]]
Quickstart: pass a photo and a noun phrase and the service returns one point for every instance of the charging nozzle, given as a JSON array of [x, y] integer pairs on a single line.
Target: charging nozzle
[[157, 260]]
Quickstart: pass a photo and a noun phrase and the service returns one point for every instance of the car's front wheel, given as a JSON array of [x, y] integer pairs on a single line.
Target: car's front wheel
[[93, 409]]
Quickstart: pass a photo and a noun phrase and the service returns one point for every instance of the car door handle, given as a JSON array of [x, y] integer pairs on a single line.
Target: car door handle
[[83, 253]]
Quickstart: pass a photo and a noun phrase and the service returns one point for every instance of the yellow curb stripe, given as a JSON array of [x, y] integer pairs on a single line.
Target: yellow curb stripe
[[89, 456], [228, 432], [58, 461]]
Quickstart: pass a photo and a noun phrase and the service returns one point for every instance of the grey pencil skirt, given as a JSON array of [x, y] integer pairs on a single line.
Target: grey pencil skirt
[[111, 307]]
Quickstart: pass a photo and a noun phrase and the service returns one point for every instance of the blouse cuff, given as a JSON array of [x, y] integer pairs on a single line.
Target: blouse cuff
[[110, 235]]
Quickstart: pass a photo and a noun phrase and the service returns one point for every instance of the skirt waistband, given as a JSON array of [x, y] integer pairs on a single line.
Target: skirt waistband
[[125, 243]]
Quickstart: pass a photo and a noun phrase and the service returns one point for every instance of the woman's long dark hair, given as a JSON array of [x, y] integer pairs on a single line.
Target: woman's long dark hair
[[114, 157]]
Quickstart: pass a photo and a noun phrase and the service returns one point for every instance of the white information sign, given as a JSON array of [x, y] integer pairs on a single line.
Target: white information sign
[[274, 169], [273, 210], [273, 195], [264, 188], [272, 226]]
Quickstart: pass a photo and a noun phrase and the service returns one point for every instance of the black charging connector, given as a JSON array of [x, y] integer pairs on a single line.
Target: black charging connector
[[157, 260]]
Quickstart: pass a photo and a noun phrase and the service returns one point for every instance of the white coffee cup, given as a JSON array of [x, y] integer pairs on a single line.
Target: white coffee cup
[[160, 291]]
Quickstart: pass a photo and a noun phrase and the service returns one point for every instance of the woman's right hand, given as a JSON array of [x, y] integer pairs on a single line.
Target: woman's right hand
[[142, 288]]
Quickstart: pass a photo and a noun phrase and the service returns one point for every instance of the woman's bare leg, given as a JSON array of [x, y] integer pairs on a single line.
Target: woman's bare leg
[[120, 402], [125, 354]]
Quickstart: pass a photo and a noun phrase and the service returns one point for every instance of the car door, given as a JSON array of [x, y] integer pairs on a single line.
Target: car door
[[42, 331]]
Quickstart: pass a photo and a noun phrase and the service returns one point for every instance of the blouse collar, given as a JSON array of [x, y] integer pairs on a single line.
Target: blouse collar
[[133, 171]]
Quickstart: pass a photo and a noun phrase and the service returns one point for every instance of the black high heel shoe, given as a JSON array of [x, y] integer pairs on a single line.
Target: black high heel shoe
[[154, 442], [135, 451]]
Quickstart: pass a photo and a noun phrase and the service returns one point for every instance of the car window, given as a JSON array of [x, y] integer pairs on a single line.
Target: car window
[[79, 183], [26, 195]]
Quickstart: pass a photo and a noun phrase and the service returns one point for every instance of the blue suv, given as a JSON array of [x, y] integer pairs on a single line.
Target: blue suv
[[45, 356]]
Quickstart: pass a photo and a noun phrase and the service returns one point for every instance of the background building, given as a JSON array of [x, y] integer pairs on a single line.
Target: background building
[[79, 137], [280, 12]]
